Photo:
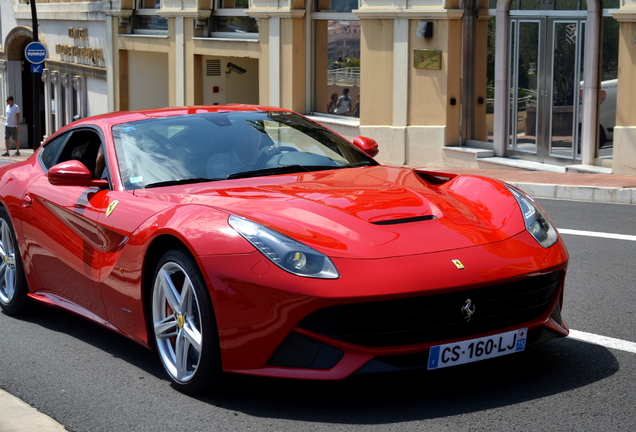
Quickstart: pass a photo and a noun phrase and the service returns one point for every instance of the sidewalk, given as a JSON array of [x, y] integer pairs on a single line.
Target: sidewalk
[[17, 416], [602, 188]]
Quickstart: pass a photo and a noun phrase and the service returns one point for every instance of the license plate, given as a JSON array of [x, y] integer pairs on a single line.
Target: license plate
[[473, 350]]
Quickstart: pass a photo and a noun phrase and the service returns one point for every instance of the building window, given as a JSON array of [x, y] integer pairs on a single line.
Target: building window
[[337, 58], [229, 20], [145, 18]]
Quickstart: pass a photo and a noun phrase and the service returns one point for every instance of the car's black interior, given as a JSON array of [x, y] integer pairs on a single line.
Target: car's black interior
[[84, 145]]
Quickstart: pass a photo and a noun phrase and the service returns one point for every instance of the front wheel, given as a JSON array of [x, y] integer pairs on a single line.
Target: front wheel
[[13, 285], [184, 324]]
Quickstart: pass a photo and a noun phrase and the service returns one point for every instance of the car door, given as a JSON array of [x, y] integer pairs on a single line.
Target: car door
[[60, 227]]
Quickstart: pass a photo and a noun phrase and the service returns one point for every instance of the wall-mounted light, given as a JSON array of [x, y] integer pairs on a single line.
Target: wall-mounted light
[[231, 67], [425, 29]]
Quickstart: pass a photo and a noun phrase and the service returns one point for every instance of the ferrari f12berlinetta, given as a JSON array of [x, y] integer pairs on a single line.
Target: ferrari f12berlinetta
[[253, 240]]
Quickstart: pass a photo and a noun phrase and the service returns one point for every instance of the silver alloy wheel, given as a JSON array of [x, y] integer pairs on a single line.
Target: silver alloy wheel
[[8, 264], [177, 324]]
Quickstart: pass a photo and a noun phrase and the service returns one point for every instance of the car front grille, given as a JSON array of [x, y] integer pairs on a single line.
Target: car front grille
[[436, 317]]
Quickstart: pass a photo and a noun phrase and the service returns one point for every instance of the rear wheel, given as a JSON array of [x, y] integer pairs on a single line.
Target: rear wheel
[[13, 286], [184, 324]]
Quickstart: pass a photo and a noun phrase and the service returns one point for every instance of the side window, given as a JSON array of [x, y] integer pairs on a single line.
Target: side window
[[50, 153], [84, 146]]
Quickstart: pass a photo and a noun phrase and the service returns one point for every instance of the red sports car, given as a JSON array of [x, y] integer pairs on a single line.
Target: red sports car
[[253, 240]]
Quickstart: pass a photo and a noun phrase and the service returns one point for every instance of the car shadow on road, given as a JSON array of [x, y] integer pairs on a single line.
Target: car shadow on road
[[555, 367], [119, 346]]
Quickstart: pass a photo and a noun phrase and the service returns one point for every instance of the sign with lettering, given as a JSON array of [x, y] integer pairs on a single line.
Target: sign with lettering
[[35, 53]]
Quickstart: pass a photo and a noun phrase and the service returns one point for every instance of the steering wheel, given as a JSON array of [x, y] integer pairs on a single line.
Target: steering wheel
[[287, 148], [266, 153]]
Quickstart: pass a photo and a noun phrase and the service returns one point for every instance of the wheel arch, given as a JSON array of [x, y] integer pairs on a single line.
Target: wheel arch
[[156, 249]]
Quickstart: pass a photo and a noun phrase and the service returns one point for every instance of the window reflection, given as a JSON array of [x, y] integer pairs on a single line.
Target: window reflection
[[338, 67]]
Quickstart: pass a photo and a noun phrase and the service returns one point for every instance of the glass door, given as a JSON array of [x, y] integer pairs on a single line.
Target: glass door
[[545, 74]]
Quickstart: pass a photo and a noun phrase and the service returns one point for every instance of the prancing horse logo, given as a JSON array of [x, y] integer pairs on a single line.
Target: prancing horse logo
[[468, 309]]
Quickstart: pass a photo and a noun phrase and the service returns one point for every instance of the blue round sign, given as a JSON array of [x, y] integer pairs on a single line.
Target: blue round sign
[[35, 53]]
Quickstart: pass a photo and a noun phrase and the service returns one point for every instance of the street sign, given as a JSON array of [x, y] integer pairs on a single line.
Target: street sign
[[35, 53], [37, 68]]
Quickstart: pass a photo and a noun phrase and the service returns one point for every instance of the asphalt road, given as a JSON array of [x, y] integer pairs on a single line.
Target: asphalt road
[[92, 380]]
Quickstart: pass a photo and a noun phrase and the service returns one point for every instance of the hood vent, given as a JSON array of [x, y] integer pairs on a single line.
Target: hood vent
[[405, 220]]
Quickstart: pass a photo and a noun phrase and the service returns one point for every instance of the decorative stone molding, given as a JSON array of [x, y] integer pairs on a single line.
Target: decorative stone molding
[[184, 8], [78, 82], [271, 5], [399, 5], [123, 15], [124, 21], [624, 15], [278, 13], [66, 81], [274, 9], [46, 76], [54, 78], [77, 69], [441, 14], [3, 66]]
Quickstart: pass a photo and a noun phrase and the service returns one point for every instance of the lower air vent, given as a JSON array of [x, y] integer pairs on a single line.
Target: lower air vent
[[437, 317]]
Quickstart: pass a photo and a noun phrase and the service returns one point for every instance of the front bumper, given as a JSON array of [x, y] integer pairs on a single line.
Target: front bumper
[[381, 314]]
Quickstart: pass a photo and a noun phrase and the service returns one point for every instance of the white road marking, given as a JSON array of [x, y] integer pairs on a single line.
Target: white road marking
[[605, 341], [597, 234]]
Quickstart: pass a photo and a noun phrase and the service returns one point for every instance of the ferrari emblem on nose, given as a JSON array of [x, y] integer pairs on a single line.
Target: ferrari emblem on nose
[[468, 309], [458, 264]]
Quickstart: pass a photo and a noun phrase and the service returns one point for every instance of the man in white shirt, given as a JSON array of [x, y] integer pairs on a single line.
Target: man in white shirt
[[13, 125], [343, 106]]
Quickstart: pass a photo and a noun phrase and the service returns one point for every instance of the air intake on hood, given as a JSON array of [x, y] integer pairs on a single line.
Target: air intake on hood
[[405, 220]]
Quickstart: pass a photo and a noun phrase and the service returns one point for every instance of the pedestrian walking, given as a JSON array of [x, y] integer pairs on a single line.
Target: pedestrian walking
[[12, 127]]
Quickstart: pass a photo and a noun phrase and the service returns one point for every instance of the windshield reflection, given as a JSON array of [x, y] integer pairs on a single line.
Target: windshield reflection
[[220, 145]]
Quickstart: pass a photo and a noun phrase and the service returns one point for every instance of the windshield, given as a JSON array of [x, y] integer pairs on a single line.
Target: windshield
[[217, 146]]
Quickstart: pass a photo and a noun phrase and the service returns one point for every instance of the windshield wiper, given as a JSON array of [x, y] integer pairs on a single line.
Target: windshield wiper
[[359, 164], [183, 181], [287, 169]]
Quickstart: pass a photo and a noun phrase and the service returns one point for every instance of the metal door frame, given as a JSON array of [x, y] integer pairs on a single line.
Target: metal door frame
[[543, 144]]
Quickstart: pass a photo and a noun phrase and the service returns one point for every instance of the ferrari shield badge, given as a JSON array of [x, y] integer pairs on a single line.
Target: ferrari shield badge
[[111, 207], [458, 264]]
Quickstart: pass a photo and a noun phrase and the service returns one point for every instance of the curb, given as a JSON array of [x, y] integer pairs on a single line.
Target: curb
[[598, 194], [18, 416]]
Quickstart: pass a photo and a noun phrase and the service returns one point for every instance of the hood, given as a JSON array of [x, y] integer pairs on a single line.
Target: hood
[[370, 212]]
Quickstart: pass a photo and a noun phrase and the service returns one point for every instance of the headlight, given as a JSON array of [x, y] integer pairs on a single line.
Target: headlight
[[537, 223], [284, 251]]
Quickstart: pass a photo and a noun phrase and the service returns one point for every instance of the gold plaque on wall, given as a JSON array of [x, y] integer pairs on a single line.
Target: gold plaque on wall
[[427, 59]]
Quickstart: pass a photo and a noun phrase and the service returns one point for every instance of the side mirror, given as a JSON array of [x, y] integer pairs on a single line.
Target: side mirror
[[367, 145], [73, 173]]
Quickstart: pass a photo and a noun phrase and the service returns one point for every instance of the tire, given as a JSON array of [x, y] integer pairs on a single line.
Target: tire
[[13, 285], [184, 325]]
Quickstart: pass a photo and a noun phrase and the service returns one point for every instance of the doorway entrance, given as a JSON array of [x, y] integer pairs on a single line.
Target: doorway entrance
[[546, 71]]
